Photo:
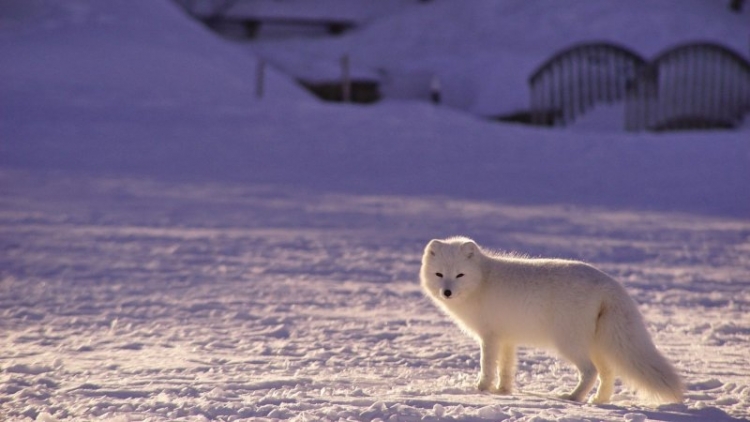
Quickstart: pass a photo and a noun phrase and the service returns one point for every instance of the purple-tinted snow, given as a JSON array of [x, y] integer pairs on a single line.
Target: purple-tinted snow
[[176, 249]]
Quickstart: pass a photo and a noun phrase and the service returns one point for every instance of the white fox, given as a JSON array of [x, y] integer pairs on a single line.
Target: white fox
[[569, 306]]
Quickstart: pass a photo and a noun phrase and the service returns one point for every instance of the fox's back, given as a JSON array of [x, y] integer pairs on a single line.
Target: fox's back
[[534, 299], [545, 275]]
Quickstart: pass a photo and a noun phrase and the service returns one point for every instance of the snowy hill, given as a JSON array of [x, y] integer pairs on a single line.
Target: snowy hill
[[120, 54], [102, 88], [177, 249]]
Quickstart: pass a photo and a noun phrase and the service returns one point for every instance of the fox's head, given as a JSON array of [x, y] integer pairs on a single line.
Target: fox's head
[[450, 269]]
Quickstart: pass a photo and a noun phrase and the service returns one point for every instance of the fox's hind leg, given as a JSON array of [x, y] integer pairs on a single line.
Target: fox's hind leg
[[586, 379], [586, 371], [606, 381]]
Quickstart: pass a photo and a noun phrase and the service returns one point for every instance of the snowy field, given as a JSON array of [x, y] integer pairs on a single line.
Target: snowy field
[[130, 300], [175, 249]]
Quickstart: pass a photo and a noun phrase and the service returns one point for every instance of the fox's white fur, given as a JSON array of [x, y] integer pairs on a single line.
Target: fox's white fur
[[568, 306]]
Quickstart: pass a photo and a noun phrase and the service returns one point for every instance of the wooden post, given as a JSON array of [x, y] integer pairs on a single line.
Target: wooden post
[[260, 78], [435, 90], [346, 81]]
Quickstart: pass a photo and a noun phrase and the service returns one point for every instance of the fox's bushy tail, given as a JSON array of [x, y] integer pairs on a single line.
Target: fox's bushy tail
[[625, 341]]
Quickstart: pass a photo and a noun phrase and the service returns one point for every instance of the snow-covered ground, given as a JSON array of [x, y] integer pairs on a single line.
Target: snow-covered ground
[[174, 248], [129, 300]]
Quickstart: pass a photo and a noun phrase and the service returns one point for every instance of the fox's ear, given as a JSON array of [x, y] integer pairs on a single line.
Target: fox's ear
[[434, 245], [469, 249]]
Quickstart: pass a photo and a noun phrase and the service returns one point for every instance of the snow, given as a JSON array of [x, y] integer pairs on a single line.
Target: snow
[[485, 53], [224, 300], [177, 249]]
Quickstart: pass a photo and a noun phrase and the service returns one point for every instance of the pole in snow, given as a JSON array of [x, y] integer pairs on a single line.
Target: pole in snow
[[435, 90], [346, 81], [260, 78]]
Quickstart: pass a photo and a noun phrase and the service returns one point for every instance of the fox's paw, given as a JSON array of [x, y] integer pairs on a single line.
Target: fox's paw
[[571, 397], [599, 400], [489, 387], [503, 391], [485, 385]]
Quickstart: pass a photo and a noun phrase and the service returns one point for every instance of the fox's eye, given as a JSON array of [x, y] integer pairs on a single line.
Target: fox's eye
[[439, 275], [460, 275]]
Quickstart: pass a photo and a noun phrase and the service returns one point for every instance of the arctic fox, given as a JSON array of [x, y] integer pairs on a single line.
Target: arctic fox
[[569, 306]]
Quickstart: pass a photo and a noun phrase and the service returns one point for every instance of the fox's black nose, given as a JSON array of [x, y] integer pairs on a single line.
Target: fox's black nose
[[447, 293]]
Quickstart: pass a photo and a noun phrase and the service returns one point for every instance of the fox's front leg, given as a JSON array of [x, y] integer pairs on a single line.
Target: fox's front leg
[[507, 368], [489, 349]]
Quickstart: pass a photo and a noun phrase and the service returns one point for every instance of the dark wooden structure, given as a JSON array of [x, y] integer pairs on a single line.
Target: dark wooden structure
[[252, 24], [221, 14], [360, 90]]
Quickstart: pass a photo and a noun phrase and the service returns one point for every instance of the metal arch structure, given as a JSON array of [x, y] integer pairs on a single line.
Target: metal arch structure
[[690, 86], [573, 80]]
